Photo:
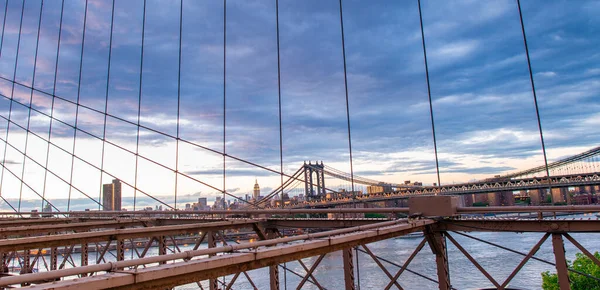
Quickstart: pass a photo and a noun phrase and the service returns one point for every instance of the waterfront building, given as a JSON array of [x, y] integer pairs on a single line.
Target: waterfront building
[[111, 196]]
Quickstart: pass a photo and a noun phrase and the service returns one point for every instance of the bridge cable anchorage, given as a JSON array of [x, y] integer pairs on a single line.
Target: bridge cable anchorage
[[537, 111], [437, 164], [347, 101], [62, 10], [11, 99], [112, 21], [78, 100]]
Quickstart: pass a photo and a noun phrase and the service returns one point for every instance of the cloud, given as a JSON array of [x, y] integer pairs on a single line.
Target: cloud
[[547, 74]]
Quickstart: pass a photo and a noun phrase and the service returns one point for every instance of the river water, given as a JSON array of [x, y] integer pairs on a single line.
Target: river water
[[463, 275]]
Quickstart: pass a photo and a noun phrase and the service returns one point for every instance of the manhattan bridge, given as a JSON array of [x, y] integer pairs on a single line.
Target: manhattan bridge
[[442, 126]]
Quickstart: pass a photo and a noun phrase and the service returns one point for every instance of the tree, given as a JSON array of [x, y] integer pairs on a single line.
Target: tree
[[578, 282]]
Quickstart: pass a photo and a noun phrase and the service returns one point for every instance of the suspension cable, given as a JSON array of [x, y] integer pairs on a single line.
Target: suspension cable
[[347, 101], [137, 142], [437, 164], [112, 21], [537, 110]]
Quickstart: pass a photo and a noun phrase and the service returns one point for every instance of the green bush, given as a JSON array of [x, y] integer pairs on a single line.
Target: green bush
[[375, 215], [578, 282]]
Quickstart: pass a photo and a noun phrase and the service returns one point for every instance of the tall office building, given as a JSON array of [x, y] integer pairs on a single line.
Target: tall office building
[[256, 192], [111, 196]]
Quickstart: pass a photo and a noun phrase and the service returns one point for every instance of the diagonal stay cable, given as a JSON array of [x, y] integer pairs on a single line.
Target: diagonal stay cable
[[118, 146], [12, 97]]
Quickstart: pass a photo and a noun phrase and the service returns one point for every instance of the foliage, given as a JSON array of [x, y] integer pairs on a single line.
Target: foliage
[[375, 215], [480, 203], [578, 282]]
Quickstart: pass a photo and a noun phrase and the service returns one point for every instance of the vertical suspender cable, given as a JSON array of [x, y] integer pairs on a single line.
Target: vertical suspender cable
[[280, 123], [437, 164], [348, 119], [279, 94], [77, 105], [37, 45], [347, 102], [137, 143], [11, 100], [62, 10], [537, 111], [112, 21], [178, 99], [224, 92]]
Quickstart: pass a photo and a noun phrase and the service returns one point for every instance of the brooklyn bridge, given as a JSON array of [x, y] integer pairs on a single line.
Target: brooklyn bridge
[[457, 144]]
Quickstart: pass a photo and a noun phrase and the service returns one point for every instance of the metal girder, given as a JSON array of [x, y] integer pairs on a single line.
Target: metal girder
[[310, 271], [437, 243], [348, 268], [512, 225], [202, 269], [524, 261], [474, 262], [56, 226], [274, 277], [382, 267], [319, 223], [309, 275], [561, 262], [101, 236], [212, 243]]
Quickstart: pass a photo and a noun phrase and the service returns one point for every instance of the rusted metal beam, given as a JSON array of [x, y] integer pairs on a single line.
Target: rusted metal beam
[[101, 236], [58, 226], [382, 267], [195, 270], [582, 249], [274, 277], [474, 262], [319, 223], [348, 262], [513, 225], [162, 247], [212, 243], [310, 276], [561, 262], [437, 243], [310, 271], [534, 250], [516, 209]]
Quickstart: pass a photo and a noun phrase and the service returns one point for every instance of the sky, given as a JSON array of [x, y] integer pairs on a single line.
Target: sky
[[483, 108]]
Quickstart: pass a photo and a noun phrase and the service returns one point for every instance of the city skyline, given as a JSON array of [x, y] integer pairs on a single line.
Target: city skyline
[[482, 102]]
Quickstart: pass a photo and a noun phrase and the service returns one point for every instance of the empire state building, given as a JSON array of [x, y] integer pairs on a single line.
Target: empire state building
[[256, 192]]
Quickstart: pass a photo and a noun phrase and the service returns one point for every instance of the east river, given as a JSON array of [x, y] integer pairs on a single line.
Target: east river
[[463, 275]]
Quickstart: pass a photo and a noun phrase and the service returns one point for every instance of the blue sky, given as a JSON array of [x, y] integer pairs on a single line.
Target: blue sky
[[482, 102]]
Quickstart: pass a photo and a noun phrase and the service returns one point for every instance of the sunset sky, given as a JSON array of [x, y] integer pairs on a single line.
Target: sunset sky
[[483, 106]]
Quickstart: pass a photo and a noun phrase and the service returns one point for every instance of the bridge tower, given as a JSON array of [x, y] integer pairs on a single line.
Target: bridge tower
[[309, 183]]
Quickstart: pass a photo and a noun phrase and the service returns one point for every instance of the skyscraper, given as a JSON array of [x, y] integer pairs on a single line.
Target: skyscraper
[[111, 196], [256, 192]]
